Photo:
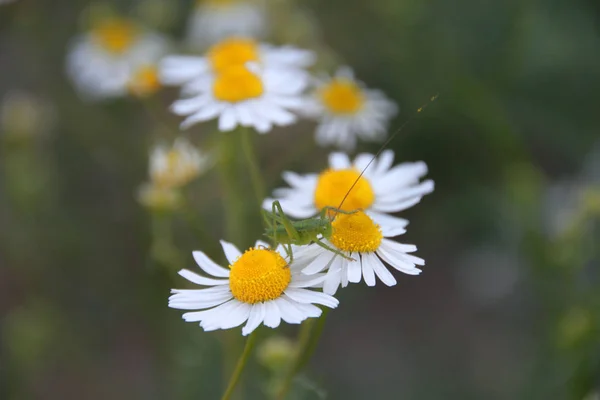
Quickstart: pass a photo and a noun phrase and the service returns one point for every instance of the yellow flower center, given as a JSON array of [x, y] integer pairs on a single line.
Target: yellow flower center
[[259, 275], [115, 35], [356, 233], [232, 52], [237, 84], [333, 185], [342, 96], [144, 81]]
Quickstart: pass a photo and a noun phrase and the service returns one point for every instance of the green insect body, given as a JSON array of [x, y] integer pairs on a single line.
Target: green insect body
[[281, 230]]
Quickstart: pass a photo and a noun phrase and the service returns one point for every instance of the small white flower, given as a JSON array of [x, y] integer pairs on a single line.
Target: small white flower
[[114, 57], [347, 110], [176, 166], [258, 287], [380, 190], [244, 95], [365, 247], [192, 71], [213, 20]]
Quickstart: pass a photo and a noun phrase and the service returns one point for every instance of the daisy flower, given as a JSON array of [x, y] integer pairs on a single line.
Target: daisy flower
[[232, 51], [247, 96], [259, 287], [213, 20], [176, 166], [380, 190], [347, 110], [114, 57], [365, 245]]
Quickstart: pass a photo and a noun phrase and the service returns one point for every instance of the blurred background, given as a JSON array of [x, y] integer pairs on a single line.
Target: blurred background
[[508, 305]]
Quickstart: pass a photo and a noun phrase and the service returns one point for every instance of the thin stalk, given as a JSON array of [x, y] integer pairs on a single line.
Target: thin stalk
[[239, 368], [309, 336], [256, 176]]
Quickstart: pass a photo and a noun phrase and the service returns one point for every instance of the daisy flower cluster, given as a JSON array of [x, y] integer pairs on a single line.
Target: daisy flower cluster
[[171, 168], [225, 72], [240, 81]]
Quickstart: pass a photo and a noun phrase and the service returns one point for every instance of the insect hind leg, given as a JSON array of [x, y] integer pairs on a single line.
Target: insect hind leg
[[333, 250]]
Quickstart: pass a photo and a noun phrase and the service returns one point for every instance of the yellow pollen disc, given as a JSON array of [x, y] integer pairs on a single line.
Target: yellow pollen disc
[[144, 81], [356, 233], [259, 275], [237, 84], [232, 52], [333, 185], [115, 35], [342, 96]]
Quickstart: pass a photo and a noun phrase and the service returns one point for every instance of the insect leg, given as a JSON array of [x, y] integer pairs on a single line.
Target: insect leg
[[333, 250], [280, 216]]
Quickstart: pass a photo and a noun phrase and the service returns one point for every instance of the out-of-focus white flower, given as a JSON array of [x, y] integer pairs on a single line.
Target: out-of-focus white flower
[[176, 166], [241, 82], [213, 20], [347, 110], [115, 56], [381, 189], [246, 96], [193, 71], [259, 287]]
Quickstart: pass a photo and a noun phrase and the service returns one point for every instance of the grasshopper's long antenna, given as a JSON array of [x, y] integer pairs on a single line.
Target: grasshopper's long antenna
[[384, 145]]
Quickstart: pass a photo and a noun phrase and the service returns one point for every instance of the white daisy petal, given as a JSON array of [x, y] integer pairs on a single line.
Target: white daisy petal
[[367, 270], [209, 266], [257, 315], [354, 271], [381, 271], [272, 315], [289, 312], [231, 252], [339, 161], [309, 296], [200, 280]]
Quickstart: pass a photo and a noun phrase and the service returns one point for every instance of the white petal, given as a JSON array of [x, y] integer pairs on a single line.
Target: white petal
[[354, 271], [381, 271], [228, 119], [306, 296], [333, 278], [272, 315], [207, 314], [231, 252], [209, 266], [257, 315], [289, 313], [201, 280], [309, 310], [320, 263], [339, 161], [367, 270]]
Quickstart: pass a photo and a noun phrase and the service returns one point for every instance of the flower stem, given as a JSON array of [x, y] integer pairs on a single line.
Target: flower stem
[[237, 372], [309, 336], [253, 165]]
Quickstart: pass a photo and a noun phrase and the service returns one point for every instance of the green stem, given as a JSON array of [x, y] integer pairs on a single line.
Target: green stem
[[309, 336], [256, 176], [235, 377]]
